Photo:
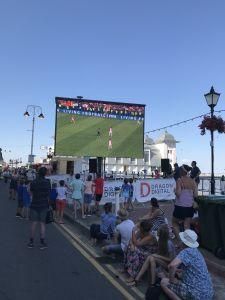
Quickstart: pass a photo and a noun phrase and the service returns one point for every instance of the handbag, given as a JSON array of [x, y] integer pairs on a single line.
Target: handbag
[[49, 216]]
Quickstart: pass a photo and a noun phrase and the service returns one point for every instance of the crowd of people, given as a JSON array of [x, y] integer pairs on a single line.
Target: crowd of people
[[169, 254], [102, 107]]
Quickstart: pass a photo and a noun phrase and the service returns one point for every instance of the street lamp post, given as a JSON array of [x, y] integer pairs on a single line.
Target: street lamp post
[[212, 98], [33, 110]]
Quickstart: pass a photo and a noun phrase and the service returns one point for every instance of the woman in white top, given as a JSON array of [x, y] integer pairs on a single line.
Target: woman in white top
[[61, 200]]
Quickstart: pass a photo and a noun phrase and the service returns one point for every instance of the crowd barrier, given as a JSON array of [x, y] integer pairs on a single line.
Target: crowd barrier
[[144, 190]]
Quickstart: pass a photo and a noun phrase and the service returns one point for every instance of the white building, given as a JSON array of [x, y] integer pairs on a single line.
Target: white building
[[154, 151]]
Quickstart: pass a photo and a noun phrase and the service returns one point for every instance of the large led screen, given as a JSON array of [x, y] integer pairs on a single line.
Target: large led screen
[[99, 128]]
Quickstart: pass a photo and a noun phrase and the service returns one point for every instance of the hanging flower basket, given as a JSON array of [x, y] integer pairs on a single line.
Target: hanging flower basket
[[213, 124]]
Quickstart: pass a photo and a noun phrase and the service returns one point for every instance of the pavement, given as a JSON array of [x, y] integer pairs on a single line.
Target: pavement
[[215, 266], [59, 272]]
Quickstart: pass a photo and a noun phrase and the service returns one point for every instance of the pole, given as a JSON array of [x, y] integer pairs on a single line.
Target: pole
[[32, 136], [212, 156], [117, 202]]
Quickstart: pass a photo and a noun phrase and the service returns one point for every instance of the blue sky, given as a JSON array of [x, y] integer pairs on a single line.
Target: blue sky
[[165, 54]]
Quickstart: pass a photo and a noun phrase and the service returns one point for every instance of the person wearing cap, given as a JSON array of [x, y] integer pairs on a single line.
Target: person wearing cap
[[186, 190], [195, 282], [123, 232]]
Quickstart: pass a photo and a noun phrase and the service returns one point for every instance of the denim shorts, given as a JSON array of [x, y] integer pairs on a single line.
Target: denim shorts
[[87, 198], [38, 214]]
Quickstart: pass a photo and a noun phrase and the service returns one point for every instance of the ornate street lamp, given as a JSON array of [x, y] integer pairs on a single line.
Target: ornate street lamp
[[212, 98], [34, 110]]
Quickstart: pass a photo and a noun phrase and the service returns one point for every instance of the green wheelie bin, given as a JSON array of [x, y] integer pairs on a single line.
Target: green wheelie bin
[[210, 223]]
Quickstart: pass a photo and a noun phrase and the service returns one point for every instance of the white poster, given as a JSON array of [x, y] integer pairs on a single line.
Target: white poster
[[161, 189]]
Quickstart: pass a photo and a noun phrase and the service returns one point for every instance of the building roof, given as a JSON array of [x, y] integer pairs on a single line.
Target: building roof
[[148, 140], [165, 138]]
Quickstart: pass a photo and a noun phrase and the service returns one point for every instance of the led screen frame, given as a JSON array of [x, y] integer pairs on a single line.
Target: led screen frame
[[125, 119]]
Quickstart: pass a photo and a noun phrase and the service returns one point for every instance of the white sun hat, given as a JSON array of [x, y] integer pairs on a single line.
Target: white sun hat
[[189, 238]]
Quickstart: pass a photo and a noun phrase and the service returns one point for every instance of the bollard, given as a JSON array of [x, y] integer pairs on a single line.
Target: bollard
[[117, 203]]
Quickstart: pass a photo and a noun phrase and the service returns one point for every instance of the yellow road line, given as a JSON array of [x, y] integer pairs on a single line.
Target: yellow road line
[[71, 237], [134, 289]]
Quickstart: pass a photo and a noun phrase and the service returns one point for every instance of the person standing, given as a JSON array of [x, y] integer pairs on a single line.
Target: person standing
[[110, 131], [40, 190], [26, 200], [110, 144], [61, 200], [186, 191], [176, 171], [77, 187], [99, 183], [222, 185], [195, 172], [88, 195]]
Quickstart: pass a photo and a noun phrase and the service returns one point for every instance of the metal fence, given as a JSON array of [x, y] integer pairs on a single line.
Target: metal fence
[[204, 185]]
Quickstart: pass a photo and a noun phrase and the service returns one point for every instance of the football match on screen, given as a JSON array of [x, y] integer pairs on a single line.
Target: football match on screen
[[99, 128]]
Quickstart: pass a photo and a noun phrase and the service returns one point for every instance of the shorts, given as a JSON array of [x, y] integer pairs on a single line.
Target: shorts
[[87, 198], [181, 290], [78, 200], [60, 204], [182, 213], [38, 214], [126, 199], [98, 197]]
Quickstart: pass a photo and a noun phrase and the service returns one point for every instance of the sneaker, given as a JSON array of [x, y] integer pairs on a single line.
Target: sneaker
[[43, 245], [17, 215], [30, 245]]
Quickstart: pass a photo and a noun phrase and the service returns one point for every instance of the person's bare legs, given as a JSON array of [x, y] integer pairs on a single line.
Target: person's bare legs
[[144, 268], [187, 223], [176, 228], [152, 270], [164, 285], [75, 208], [42, 230], [82, 210], [33, 229]]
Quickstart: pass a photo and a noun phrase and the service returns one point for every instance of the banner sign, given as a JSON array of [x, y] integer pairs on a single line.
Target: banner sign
[[144, 190], [161, 189]]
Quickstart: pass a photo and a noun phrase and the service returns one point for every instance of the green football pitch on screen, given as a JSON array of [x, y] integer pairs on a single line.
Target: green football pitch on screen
[[95, 136]]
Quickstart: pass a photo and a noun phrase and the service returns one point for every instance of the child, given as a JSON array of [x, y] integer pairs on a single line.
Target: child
[[26, 200], [53, 196], [131, 194], [125, 192], [61, 200], [20, 199]]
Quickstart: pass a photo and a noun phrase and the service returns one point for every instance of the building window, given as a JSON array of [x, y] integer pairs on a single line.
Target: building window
[[118, 159], [133, 160], [146, 156]]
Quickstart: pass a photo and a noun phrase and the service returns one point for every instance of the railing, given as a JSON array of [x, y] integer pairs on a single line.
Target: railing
[[204, 185]]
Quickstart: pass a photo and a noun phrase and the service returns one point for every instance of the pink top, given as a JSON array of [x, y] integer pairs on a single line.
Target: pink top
[[185, 192], [88, 187]]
